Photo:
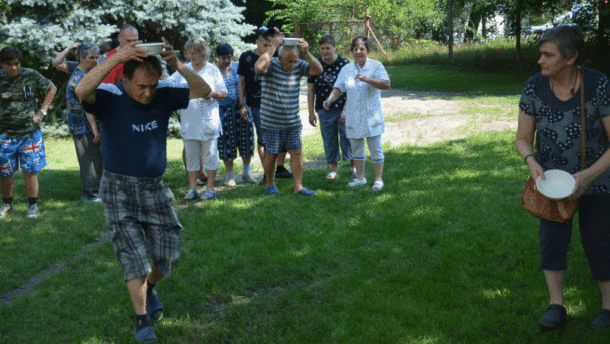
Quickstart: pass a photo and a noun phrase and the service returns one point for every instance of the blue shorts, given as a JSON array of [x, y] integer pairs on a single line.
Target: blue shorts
[[278, 141], [26, 151]]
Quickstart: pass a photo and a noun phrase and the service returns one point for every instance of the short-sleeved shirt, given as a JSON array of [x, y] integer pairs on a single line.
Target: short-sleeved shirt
[[71, 66], [19, 103], [362, 111], [115, 75], [231, 81], [252, 91], [134, 135], [324, 83], [558, 125], [77, 120], [280, 96], [201, 121]]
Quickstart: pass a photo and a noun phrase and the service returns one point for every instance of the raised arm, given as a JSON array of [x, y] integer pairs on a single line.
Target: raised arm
[[85, 90], [315, 68], [59, 61], [264, 60]]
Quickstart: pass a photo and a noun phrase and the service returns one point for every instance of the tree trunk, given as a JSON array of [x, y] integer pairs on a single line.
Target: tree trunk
[[518, 28], [450, 29]]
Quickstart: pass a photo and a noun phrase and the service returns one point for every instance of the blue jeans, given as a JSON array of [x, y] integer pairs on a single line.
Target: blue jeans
[[332, 131], [255, 112]]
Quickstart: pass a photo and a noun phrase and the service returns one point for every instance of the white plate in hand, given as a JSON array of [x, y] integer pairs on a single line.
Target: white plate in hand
[[291, 42], [152, 48], [558, 184]]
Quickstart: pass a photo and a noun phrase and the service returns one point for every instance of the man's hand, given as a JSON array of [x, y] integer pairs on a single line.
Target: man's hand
[[312, 119], [244, 113], [303, 46], [168, 55], [38, 117], [96, 137], [131, 52]]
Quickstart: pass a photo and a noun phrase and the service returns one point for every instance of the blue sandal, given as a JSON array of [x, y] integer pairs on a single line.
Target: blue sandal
[[272, 190], [146, 334], [208, 194], [306, 192]]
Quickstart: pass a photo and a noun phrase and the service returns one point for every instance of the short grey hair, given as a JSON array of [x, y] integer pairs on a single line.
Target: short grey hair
[[284, 50], [199, 44], [568, 38], [85, 48]]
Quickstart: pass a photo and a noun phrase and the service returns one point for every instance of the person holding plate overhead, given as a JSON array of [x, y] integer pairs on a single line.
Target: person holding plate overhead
[[362, 114], [550, 111]]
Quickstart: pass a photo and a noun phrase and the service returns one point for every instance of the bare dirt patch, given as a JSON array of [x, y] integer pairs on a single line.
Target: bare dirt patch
[[422, 117]]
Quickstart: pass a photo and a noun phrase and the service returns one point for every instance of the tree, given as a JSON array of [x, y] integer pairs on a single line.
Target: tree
[[395, 20], [42, 27]]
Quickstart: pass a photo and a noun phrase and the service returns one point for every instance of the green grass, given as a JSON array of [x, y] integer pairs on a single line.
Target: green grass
[[448, 79], [444, 254]]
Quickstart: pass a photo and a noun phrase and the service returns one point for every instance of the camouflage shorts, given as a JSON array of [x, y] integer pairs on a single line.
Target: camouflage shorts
[[139, 213]]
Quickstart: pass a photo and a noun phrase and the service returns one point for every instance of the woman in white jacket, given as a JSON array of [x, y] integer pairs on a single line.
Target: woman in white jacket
[[362, 116]]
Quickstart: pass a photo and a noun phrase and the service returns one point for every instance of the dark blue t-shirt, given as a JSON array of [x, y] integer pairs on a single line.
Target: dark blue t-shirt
[[133, 135]]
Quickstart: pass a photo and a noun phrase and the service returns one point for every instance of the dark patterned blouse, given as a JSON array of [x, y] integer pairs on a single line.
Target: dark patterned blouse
[[558, 125]]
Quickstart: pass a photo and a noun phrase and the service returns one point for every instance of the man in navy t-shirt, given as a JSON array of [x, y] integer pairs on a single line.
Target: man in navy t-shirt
[[133, 120]]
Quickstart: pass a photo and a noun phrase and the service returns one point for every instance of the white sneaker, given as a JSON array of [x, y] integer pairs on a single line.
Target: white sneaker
[[230, 183], [357, 182], [32, 212], [377, 186], [248, 178]]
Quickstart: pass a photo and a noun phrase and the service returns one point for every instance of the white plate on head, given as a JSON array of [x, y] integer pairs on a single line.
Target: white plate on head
[[558, 184], [152, 48], [291, 42]]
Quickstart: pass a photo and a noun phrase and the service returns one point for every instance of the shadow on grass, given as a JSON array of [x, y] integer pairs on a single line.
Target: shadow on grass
[[443, 254]]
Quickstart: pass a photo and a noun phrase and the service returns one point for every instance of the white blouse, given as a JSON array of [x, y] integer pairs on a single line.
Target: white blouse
[[201, 120], [362, 111]]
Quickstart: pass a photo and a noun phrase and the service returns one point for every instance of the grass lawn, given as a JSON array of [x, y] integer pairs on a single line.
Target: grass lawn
[[444, 254]]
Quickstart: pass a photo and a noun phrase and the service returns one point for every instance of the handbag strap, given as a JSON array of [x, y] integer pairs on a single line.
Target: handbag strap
[[583, 112]]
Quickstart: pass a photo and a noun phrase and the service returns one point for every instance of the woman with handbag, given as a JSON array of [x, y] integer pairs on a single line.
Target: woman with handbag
[[551, 110]]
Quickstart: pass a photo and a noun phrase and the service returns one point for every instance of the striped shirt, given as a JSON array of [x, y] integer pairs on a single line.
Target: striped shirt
[[280, 96]]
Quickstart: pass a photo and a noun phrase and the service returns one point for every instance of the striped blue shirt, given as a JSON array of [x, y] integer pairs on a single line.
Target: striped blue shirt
[[280, 96]]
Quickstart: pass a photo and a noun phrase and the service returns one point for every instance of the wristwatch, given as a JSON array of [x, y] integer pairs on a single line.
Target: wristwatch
[[43, 112]]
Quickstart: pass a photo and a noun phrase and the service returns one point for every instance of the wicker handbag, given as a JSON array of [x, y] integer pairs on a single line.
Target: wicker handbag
[[539, 205]]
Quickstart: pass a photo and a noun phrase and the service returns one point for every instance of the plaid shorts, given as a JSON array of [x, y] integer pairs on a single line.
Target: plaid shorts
[[27, 151], [278, 141], [139, 213]]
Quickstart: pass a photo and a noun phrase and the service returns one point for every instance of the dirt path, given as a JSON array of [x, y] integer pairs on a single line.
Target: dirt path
[[430, 117]]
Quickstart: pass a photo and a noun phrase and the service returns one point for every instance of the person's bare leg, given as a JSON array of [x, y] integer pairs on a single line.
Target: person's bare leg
[[281, 158], [228, 165], [378, 167], [211, 179], [554, 282], [261, 155], [137, 293], [192, 177], [31, 183], [333, 167], [296, 165], [7, 185], [359, 164], [269, 168]]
